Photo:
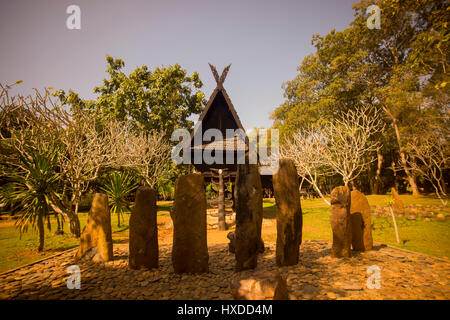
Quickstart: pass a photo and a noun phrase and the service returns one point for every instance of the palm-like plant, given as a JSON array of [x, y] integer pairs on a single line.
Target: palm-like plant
[[165, 188], [34, 189], [119, 188]]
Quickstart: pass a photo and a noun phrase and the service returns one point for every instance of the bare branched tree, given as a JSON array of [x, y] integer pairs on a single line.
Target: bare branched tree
[[85, 146], [82, 151], [307, 148], [429, 155], [146, 153], [28, 135], [350, 142], [345, 146]]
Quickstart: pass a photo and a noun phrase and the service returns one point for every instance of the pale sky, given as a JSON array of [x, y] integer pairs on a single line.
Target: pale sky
[[265, 41]]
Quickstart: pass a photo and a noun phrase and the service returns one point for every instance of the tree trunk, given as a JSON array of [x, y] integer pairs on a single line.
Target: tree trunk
[[321, 195], [74, 224], [41, 231], [74, 221], [301, 184], [409, 174], [377, 183], [443, 184], [58, 223], [221, 203]]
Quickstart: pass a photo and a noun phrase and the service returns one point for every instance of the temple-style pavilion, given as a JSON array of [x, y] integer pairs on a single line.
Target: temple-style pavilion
[[220, 114]]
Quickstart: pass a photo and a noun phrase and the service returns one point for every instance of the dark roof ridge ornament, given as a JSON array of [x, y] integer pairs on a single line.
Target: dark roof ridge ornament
[[220, 79]]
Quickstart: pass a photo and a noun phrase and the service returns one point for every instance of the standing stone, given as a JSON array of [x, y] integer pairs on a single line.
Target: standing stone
[[341, 222], [144, 231], [231, 244], [398, 203], [249, 209], [289, 213], [190, 249], [361, 222], [97, 236]]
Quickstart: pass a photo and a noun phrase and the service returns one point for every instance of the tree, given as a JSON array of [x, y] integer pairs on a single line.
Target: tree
[[350, 144], [344, 146], [147, 154], [161, 100], [85, 151], [307, 148], [85, 147], [429, 156], [386, 69], [29, 158], [35, 190], [89, 148], [396, 52]]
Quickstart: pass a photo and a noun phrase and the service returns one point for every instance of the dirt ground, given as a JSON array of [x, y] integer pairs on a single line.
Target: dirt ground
[[214, 236]]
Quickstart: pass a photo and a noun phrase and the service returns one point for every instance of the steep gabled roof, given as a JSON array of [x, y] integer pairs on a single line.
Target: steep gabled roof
[[218, 91]]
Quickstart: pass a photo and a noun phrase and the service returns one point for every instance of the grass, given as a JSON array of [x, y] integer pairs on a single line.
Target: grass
[[17, 250], [432, 237]]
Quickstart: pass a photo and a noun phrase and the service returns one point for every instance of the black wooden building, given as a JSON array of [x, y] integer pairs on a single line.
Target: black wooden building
[[220, 114]]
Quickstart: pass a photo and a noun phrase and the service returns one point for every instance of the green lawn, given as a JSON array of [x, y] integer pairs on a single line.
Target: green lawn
[[432, 237], [16, 249]]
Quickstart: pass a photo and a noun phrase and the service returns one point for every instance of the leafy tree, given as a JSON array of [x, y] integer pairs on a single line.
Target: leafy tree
[[28, 159], [34, 189], [162, 99], [384, 68]]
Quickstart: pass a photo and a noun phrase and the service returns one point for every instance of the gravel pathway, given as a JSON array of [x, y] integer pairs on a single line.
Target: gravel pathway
[[404, 275]]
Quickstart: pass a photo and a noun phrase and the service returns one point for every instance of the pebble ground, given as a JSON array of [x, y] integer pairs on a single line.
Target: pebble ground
[[403, 275]]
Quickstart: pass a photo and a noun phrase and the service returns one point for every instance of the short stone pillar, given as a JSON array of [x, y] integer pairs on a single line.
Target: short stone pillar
[[143, 246], [96, 237], [249, 209], [341, 222], [289, 213], [260, 286], [231, 244], [190, 249], [361, 222], [398, 203]]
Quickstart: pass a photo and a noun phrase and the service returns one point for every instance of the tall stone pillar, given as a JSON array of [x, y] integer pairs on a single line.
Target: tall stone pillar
[[398, 203], [97, 235], [249, 209], [289, 213], [341, 222], [190, 249], [361, 222], [143, 245]]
